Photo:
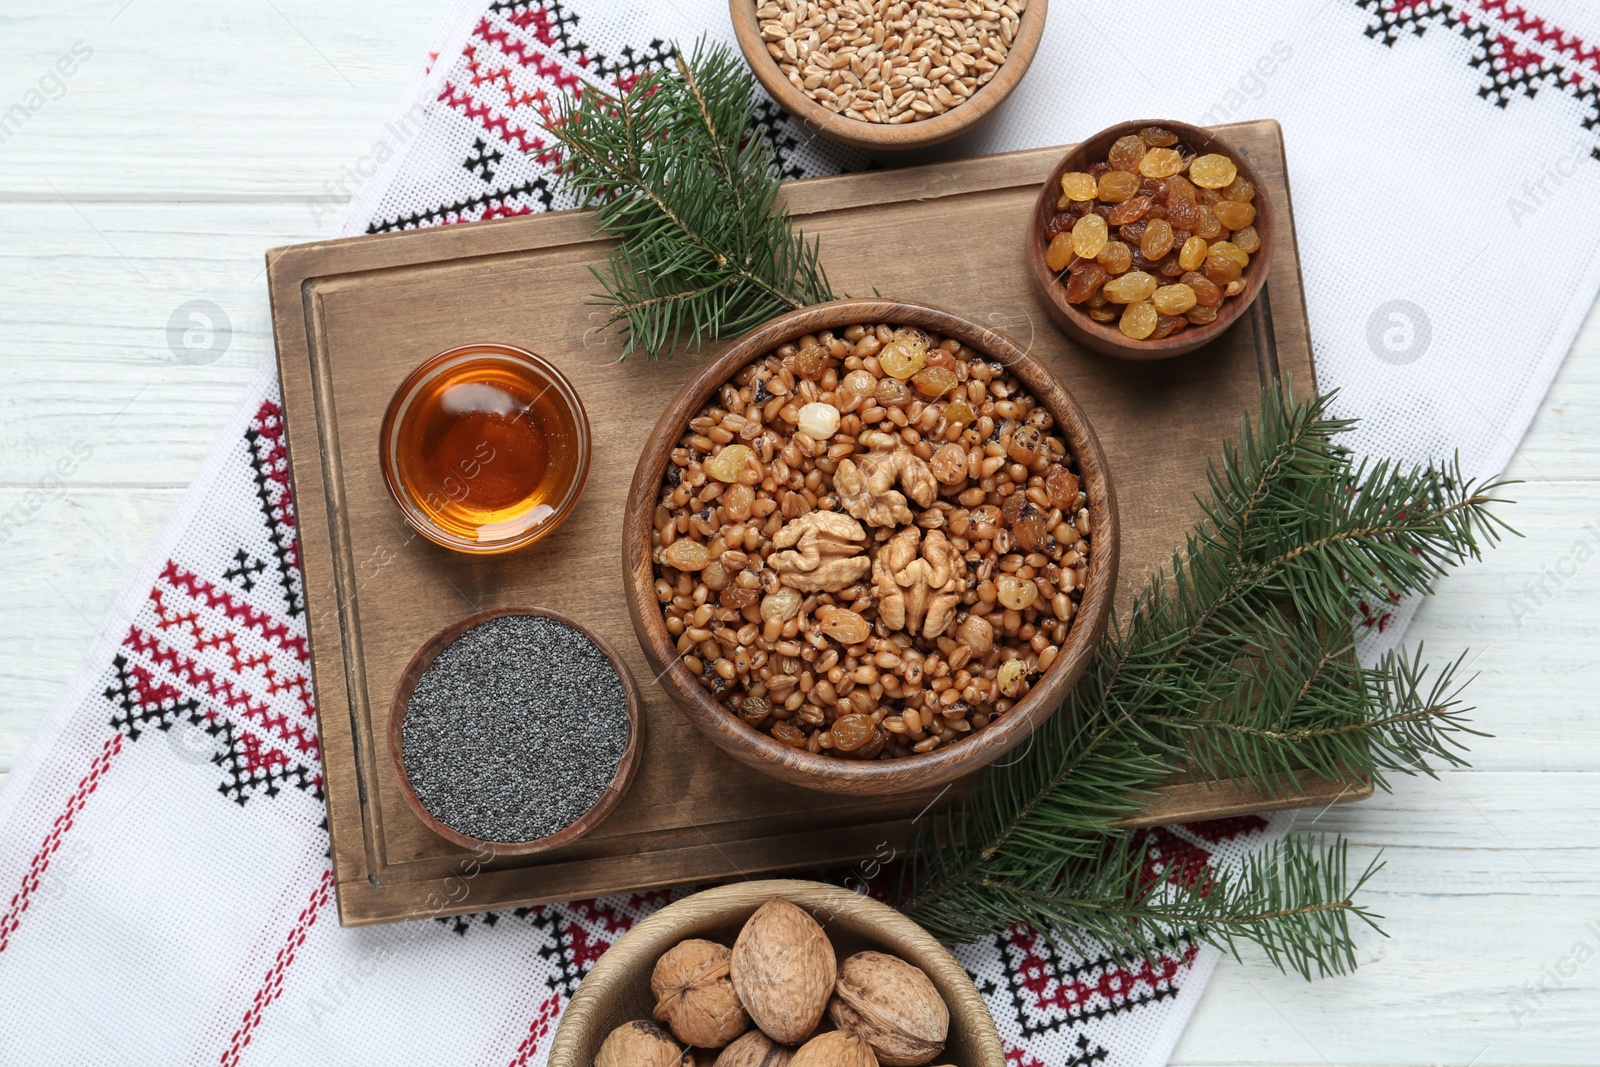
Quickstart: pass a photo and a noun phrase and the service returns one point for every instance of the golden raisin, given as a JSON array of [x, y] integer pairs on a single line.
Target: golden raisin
[[1158, 137], [1213, 171], [686, 555], [1116, 257], [1059, 254], [1208, 226], [1078, 186], [959, 413], [1221, 267], [1089, 236], [1130, 288], [1030, 530], [789, 734], [726, 465], [811, 361], [1012, 678], [1173, 299], [905, 354], [852, 731], [1161, 163], [1062, 487], [1202, 315], [1240, 190], [1192, 254], [1117, 186], [1139, 319], [1248, 240], [1126, 152], [1157, 239], [1228, 248], [1103, 313], [934, 382], [1234, 215]]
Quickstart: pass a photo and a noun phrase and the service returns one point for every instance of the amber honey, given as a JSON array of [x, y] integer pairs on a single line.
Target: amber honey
[[485, 448]]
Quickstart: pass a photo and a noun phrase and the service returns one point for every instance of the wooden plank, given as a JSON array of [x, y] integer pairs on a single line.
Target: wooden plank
[[354, 316], [192, 101], [103, 370], [1489, 885]]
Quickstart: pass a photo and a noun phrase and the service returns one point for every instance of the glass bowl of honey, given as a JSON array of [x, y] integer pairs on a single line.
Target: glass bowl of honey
[[485, 448]]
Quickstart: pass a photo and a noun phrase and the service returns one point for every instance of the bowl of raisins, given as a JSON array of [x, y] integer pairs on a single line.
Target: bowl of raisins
[[1150, 239]]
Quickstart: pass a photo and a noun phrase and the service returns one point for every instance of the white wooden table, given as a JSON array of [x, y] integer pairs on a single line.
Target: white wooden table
[[194, 137]]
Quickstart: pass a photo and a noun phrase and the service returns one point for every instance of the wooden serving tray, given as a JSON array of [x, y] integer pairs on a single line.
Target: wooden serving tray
[[352, 317]]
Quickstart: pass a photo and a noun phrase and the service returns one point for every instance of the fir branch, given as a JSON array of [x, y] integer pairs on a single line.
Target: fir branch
[[674, 170], [1237, 664]]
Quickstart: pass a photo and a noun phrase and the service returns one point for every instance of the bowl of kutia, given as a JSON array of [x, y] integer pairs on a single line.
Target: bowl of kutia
[[870, 548]]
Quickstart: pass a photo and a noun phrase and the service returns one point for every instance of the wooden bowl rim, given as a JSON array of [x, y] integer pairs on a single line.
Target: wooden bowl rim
[[1107, 338], [871, 776], [1030, 32], [627, 766], [658, 932]]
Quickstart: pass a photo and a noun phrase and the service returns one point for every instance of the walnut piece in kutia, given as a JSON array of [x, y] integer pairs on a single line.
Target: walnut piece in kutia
[[918, 581], [865, 483], [821, 552]]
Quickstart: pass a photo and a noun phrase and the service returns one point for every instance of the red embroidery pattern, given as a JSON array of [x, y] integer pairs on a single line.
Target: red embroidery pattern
[[1518, 52], [549, 1012], [272, 985], [52, 840]]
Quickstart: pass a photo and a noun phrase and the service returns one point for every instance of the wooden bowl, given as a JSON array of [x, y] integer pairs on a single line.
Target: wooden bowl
[[872, 777], [1105, 337], [617, 990], [875, 135], [609, 799]]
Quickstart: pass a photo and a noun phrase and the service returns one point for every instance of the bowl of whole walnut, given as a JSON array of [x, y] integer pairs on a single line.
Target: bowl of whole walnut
[[889, 75], [780, 973], [871, 548]]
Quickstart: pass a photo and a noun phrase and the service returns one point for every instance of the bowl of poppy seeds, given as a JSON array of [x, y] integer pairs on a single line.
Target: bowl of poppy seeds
[[515, 728]]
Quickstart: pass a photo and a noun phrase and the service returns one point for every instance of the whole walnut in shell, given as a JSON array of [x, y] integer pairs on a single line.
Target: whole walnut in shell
[[893, 1006], [836, 1048], [695, 997], [755, 1049], [784, 969], [638, 1044]]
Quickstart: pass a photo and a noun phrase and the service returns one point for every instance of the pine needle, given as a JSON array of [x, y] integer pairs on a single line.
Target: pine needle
[[673, 170], [1237, 664]]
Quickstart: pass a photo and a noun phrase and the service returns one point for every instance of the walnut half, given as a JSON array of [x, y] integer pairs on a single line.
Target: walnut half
[[822, 552], [918, 581], [865, 483]]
